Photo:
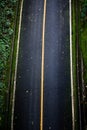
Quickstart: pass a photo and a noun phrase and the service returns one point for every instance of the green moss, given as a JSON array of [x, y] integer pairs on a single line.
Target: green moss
[[7, 29], [83, 49], [13, 65], [74, 64], [83, 38]]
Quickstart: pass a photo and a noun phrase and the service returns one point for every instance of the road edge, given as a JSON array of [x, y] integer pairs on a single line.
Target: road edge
[[16, 63], [71, 66]]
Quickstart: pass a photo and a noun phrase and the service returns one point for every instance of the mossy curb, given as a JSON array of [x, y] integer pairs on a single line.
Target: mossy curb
[[13, 66], [83, 49], [8, 13], [80, 37], [83, 34], [11, 71], [74, 60]]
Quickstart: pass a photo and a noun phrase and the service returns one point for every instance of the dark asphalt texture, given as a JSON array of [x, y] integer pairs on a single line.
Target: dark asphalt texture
[[57, 93]]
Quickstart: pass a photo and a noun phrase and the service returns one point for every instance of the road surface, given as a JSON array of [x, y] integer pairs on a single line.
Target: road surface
[[51, 29]]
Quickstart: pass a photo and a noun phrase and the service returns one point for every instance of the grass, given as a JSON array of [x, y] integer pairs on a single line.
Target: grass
[[83, 34], [7, 18], [74, 64], [12, 75], [8, 46], [83, 46]]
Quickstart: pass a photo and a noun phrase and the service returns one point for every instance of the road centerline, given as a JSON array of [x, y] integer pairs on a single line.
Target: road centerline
[[42, 66]]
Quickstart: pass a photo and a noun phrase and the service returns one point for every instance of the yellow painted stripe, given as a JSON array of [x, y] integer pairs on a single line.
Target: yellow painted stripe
[[42, 66]]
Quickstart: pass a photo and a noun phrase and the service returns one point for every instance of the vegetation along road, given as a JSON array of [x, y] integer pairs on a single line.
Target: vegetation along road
[[43, 64]]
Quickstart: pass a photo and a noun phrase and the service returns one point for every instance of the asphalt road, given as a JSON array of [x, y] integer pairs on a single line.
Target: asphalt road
[[57, 94]]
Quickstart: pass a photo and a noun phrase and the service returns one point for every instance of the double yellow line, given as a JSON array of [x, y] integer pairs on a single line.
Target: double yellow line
[[42, 66]]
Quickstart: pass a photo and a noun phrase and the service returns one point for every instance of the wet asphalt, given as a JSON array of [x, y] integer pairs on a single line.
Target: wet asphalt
[[57, 89]]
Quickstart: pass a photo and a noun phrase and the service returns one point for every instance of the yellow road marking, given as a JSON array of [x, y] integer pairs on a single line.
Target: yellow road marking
[[42, 66]]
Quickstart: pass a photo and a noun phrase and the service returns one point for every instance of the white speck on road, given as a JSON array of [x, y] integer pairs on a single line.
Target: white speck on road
[[27, 91], [49, 127], [32, 123]]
